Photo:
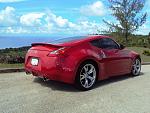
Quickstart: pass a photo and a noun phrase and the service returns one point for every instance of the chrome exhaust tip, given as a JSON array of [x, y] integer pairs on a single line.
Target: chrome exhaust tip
[[45, 79], [27, 73]]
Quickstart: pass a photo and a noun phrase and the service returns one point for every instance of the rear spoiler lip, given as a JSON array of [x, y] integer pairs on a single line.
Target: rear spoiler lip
[[45, 44]]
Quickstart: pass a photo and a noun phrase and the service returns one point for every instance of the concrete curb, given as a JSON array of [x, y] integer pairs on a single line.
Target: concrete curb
[[10, 70], [146, 63]]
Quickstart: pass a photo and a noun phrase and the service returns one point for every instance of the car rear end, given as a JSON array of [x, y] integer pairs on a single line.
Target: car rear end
[[58, 60], [43, 60]]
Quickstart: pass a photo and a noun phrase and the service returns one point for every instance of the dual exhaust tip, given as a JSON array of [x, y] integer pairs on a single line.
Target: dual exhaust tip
[[44, 78]]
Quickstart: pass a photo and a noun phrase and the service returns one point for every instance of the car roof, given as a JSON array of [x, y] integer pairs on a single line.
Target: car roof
[[94, 37], [83, 39]]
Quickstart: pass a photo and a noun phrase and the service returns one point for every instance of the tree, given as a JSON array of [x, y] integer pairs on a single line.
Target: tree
[[149, 39], [129, 17]]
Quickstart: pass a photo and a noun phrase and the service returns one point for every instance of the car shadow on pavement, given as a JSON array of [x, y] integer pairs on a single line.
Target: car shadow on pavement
[[115, 79], [54, 85]]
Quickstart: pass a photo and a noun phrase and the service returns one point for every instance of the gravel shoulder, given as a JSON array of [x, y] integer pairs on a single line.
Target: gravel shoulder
[[21, 93]]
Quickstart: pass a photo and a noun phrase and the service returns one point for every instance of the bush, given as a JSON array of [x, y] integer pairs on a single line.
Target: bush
[[11, 59], [146, 52], [133, 40], [13, 55]]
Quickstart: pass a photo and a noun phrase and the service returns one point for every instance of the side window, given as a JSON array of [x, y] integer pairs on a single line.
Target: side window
[[95, 43], [107, 43]]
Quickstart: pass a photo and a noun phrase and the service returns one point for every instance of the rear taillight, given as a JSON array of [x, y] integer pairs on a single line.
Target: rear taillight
[[60, 51]]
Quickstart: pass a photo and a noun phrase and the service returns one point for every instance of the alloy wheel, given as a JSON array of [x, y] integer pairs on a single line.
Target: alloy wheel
[[88, 76], [136, 68]]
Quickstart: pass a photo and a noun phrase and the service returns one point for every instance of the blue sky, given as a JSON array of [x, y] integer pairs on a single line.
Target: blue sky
[[57, 17]]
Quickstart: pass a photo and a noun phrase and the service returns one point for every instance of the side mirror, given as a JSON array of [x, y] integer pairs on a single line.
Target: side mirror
[[122, 46]]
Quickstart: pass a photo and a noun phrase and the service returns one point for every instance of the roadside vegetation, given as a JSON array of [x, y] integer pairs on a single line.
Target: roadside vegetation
[[140, 50], [146, 52], [12, 57]]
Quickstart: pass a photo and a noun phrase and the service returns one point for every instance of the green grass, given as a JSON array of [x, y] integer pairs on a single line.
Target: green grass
[[140, 51], [11, 66]]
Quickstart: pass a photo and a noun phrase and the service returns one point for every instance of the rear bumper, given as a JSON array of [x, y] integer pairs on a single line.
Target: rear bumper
[[51, 69], [58, 75], [41, 73]]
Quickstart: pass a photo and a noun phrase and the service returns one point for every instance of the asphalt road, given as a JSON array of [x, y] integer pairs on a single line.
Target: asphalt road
[[20, 93]]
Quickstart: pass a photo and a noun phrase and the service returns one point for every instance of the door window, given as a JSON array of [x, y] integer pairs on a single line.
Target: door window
[[107, 43]]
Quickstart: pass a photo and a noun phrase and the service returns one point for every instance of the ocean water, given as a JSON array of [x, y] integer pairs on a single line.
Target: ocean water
[[19, 41]]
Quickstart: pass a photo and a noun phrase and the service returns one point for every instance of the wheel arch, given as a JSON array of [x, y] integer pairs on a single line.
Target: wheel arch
[[89, 59], [138, 57]]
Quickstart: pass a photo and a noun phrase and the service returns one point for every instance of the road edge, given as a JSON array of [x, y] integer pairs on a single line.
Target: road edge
[[146, 63], [11, 70]]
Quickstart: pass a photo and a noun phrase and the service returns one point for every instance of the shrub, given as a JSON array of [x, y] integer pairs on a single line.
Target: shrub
[[13, 55], [146, 52]]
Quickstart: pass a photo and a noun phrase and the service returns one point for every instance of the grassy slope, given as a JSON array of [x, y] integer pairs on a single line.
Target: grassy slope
[[140, 51]]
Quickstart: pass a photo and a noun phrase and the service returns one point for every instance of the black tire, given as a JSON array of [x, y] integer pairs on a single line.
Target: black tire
[[136, 67], [79, 83]]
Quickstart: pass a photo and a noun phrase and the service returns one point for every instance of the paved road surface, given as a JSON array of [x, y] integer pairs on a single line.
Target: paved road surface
[[20, 93]]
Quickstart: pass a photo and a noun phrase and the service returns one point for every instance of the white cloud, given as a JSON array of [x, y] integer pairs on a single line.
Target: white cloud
[[8, 17], [61, 21], [9, 1], [59, 24], [95, 9], [32, 19], [57, 20], [42, 22]]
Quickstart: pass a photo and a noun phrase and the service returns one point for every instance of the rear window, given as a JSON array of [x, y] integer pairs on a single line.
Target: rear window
[[69, 39]]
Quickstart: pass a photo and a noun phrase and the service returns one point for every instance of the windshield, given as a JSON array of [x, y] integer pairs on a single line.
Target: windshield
[[68, 39]]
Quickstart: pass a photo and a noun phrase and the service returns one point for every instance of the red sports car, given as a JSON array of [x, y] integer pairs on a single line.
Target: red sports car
[[81, 60]]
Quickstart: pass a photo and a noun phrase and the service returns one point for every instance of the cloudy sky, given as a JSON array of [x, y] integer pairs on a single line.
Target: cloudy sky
[[57, 17]]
